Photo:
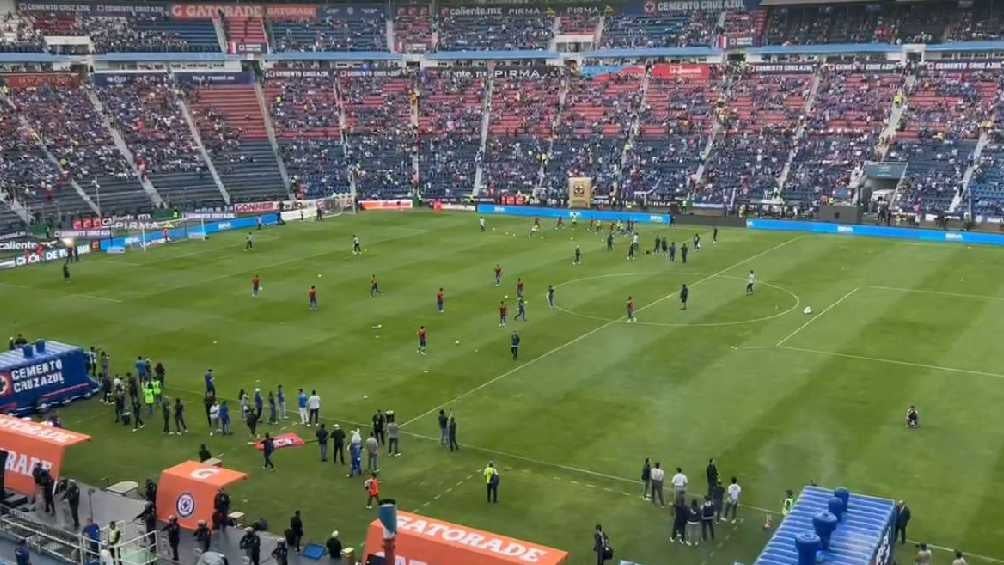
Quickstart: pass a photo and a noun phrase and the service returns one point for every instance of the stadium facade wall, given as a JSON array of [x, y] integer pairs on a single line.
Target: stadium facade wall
[[599, 215], [911, 234]]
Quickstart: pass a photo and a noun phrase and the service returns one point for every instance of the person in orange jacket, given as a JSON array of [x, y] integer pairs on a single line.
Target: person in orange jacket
[[372, 486]]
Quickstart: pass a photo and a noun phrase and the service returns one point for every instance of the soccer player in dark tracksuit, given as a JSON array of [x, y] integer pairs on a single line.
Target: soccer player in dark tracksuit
[[672, 252], [521, 309], [514, 345], [610, 241], [684, 295], [173, 536], [683, 253]]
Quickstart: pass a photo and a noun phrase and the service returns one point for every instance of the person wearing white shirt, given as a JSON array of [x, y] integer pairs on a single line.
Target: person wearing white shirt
[[732, 500], [679, 481], [658, 476], [314, 408]]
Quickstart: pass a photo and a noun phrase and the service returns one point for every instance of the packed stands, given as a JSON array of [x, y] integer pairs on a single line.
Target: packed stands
[[939, 131], [495, 29], [145, 111], [670, 29], [19, 35], [148, 34], [233, 131], [842, 131], [521, 122], [450, 112], [27, 175], [842, 23], [578, 23], [72, 130], [675, 121], [984, 22], [759, 124], [307, 114], [413, 29], [337, 28], [593, 128], [381, 136]]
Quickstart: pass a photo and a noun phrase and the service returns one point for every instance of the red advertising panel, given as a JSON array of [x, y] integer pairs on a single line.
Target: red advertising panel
[[18, 81], [403, 204], [30, 443], [256, 207], [671, 71]]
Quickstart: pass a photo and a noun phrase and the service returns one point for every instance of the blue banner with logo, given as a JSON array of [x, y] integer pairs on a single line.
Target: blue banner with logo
[[585, 215], [933, 236], [43, 374]]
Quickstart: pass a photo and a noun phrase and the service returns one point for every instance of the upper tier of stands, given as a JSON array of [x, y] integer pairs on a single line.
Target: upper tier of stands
[[518, 28]]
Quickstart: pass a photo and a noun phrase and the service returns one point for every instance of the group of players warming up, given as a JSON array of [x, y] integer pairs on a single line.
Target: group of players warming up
[[662, 246]]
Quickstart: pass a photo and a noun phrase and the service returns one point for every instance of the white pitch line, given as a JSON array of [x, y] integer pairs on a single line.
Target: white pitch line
[[817, 316], [581, 337], [894, 362], [938, 292]]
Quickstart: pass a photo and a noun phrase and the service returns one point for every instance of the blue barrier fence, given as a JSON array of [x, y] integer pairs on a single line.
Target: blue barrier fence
[[157, 236], [599, 215], [912, 234]]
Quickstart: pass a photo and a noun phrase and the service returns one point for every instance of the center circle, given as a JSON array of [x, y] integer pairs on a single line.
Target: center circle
[[791, 302]]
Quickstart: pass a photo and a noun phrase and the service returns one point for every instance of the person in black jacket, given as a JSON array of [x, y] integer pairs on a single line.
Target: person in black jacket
[[251, 544], [203, 536], [902, 519], [718, 498], [149, 517], [679, 521], [173, 530], [707, 519], [334, 546], [179, 417], [221, 510], [268, 447], [338, 444], [712, 474], [296, 526], [322, 441], [281, 553], [601, 545], [165, 409], [72, 497], [452, 427]]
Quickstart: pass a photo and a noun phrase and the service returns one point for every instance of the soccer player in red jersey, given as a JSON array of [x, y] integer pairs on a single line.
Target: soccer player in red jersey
[[440, 301], [423, 342], [503, 314], [255, 285], [498, 275], [630, 310], [312, 297]]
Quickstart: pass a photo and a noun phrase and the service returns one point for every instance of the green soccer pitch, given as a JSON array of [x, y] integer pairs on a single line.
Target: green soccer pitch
[[778, 397]]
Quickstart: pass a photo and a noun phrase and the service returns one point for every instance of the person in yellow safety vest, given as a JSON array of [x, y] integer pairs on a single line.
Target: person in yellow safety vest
[[157, 392], [149, 397], [788, 504], [492, 482]]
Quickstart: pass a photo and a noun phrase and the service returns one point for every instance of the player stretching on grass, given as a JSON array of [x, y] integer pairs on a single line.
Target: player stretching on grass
[[255, 286], [630, 310], [423, 342], [498, 275], [503, 314]]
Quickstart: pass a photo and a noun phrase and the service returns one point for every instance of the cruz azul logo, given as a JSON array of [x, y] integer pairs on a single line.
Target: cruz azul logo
[[6, 385], [185, 505]]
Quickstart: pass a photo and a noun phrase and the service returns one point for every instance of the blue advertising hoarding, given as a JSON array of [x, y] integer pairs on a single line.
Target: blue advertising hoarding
[[155, 237], [913, 234], [599, 215], [55, 375]]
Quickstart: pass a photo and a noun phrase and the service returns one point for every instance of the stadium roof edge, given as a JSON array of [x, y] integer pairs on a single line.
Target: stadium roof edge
[[33, 58], [168, 57], [334, 56], [822, 49], [967, 46], [491, 55], [653, 52]]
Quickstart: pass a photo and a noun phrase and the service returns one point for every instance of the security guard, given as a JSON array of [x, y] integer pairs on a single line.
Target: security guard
[[788, 504], [149, 397], [492, 482], [157, 390]]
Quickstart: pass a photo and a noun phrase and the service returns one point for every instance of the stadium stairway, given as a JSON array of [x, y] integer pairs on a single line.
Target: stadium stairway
[[799, 134], [967, 177], [252, 173], [486, 110], [210, 167], [124, 150], [270, 132]]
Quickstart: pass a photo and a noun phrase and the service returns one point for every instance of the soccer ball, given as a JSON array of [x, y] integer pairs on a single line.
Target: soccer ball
[[506, 297], [320, 276], [458, 342], [807, 311]]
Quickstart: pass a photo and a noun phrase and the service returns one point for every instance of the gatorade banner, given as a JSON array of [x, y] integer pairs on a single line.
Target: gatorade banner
[[30, 443], [427, 540], [187, 491], [282, 440]]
